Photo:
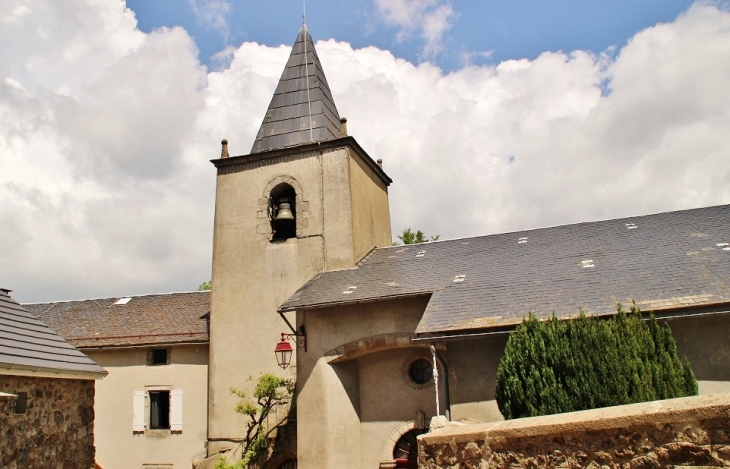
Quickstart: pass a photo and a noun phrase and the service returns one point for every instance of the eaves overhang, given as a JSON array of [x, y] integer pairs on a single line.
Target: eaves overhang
[[324, 145], [505, 327], [330, 304], [50, 372], [88, 347]]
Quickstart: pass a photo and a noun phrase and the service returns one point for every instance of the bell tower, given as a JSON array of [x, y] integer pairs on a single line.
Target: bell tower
[[306, 199]]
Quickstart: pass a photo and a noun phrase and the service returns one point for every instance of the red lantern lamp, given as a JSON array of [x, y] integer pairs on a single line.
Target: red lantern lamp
[[283, 352]]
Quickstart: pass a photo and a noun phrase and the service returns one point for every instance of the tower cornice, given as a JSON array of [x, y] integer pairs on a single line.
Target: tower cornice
[[313, 147]]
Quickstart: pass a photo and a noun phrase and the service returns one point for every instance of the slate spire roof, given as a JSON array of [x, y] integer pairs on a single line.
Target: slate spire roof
[[302, 109]]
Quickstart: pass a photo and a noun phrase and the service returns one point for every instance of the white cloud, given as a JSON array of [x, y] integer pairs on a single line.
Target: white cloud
[[106, 188], [213, 14], [430, 18], [97, 192]]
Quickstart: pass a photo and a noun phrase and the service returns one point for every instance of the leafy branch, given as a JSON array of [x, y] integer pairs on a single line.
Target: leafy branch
[[270, 393], [417, 237]]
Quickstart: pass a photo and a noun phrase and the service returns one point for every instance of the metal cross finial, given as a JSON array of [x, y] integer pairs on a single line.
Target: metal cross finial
[[304, 12]]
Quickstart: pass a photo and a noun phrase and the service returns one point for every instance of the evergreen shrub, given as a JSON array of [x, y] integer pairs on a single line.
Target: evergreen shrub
[[557, 366]]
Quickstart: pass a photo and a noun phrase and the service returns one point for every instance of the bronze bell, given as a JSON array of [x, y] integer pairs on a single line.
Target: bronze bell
[[284, 213]]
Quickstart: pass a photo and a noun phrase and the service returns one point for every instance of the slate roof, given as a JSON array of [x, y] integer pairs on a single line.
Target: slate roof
[[28, 344], [663, 261], [287, 120], [170, 318]]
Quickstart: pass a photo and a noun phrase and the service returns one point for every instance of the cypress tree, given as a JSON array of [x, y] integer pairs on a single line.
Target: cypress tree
[[559, 366]]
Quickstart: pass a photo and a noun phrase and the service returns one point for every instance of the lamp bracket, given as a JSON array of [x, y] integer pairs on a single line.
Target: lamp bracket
[[299, 338]]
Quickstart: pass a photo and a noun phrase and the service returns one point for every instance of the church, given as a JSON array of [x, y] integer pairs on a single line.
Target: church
[[385, 338]]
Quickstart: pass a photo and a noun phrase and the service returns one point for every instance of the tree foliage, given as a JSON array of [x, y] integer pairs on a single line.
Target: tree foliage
[[270, 393], [204, 286], [559, 366], [410, 237]]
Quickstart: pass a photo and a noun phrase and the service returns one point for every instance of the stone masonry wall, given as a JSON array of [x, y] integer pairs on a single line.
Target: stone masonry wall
[[57, 430], [686, 432]]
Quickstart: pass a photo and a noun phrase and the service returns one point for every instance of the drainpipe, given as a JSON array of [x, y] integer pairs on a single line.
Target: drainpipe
[[447, 400], [435, 377]]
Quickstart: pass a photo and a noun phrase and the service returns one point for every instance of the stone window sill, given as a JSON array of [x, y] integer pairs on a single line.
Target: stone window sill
[[158, 433]]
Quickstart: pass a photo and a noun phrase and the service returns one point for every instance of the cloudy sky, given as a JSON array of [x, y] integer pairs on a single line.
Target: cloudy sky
[[490, 117]]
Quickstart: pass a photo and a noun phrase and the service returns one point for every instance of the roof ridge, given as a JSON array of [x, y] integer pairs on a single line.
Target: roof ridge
[[114, 297], [554, 226]]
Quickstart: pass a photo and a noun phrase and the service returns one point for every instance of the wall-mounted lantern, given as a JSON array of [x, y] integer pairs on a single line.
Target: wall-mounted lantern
[[284, 350]]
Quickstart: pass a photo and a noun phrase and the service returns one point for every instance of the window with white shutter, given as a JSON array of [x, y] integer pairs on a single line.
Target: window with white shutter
[[176, 410], [138, 411]]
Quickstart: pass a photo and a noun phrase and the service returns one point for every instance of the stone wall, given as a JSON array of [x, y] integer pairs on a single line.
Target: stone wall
[[693, 431], [57, 429]]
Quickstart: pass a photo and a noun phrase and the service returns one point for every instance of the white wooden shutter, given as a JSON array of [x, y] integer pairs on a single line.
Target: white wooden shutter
[[138, 411], [176, 410]]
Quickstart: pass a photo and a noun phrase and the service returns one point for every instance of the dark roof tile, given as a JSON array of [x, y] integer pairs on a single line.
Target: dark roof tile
[[669, 260], [28, 344], [144, 320]]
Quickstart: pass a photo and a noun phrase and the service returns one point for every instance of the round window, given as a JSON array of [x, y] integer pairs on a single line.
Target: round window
[[420, 371]]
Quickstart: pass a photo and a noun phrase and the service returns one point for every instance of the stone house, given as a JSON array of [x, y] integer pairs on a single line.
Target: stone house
[[302, 254], [151, 408], [46, 395]]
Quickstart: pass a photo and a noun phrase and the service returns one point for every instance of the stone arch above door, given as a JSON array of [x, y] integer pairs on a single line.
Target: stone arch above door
[[386, 459], [371, 344]]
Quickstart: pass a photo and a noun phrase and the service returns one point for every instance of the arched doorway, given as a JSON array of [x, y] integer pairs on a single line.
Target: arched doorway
[[405, 451]]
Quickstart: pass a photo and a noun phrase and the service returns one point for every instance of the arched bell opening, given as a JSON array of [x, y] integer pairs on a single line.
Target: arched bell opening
[[283, 212]]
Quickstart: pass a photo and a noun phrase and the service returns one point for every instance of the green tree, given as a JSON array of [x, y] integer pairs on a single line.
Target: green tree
[[410, 237], [204, 286], [270, 394], [559, 366]]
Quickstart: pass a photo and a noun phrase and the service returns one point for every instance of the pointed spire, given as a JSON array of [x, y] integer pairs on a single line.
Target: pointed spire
[[302, 109]]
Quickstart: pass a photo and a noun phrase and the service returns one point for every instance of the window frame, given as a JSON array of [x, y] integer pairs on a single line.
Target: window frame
[[21, 397], [151, 358], [142, 417]]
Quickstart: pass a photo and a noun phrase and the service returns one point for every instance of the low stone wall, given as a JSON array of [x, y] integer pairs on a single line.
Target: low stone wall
[[57, 429], [692, 431]]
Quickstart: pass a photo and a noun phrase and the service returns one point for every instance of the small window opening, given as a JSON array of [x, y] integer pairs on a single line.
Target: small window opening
[[421, 371], [159, 356], [160, 410], [21, 403], [282, 211]]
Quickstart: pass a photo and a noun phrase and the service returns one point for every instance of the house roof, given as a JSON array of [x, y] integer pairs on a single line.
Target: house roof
[[302, 109], [28, 344], [170, 318], [663, 261]]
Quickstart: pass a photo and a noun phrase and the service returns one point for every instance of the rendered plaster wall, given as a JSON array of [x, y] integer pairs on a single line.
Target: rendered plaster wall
[[473, 377], [686, 432], [252, 276], [703, 340], [117, 446], [57, 429], [345, 409], [370, 211], [388, 399]]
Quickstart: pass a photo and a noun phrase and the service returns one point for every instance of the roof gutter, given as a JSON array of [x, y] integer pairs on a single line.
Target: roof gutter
[[40, 372], [147, 345], [685, 313], [353, 302]]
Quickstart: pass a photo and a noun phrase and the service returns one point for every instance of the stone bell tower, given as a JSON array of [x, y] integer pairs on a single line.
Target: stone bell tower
[[306, 199]]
